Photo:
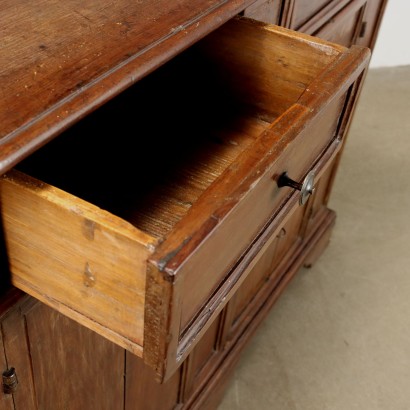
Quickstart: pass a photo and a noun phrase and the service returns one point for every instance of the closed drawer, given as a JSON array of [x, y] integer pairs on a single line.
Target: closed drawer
[[133, 221], [297, 14], [267, 11], [263, 268], [343, 27]]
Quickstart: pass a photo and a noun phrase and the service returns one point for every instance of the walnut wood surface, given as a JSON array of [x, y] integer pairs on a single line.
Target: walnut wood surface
[[303, 14], [18, 354], [6, 400], [245, 265], [275, 250], [344, 27], [260, 111], [209, 393], [61, 364], [263, 202], [372, 17], [197, 365], [143, 392], [204, 393], [61, 60], [336, 20], [267, 11]]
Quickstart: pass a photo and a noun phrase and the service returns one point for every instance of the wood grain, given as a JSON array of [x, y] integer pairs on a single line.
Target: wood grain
[[372, 17], [143, 392], [81, 260], [59, 61], [274, 251], [208, 394], [6, 400], [73, 367], [267, 11], [18, 356], [259, 203], [195, 140], [324, 106], [262, 111], [266, 66], [303, 15], [344, 27]]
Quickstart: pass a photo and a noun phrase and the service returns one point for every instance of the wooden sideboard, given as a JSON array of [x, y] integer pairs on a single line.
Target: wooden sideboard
[[180, 119]]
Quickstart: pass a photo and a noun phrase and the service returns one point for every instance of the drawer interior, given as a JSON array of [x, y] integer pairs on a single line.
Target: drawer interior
[[116, 184], [149, 154]]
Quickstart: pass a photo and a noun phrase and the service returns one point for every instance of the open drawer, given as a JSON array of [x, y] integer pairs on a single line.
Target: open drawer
[[134, 221]]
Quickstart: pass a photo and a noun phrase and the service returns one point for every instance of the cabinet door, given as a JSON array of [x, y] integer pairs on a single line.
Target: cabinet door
[[61, 364], [18, 356], [143, 392], [200, 364], [371, 22], [6, 400]]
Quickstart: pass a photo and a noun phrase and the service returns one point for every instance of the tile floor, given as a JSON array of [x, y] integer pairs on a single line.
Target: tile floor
[[339, 337]]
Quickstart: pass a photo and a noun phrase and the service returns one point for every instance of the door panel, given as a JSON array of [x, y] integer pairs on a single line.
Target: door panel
[[61, 364]]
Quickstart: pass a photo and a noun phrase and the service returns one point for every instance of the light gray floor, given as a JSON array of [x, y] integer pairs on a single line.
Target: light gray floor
[[339, 337]]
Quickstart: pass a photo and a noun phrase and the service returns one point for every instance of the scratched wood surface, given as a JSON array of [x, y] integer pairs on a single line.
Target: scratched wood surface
[[60, 60], [268, 101]]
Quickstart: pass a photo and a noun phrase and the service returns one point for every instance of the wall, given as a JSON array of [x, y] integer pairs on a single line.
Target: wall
[[393, 43]]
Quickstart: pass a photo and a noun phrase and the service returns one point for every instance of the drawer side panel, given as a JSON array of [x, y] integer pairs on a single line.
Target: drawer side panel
[[78, 261]]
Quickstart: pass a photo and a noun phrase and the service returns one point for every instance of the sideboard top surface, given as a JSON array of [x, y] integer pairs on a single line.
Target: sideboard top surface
[[61, 60]]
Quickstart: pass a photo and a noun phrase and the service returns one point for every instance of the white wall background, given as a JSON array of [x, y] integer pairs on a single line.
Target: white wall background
[[393, 42]]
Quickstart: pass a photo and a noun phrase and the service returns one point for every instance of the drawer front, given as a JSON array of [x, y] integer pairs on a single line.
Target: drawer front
[[232, 281], [255, 209], [202, 263], [278, 247]]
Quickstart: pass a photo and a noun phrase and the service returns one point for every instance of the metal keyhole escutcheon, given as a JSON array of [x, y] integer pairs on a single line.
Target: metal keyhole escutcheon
[[10, 381], [306, 187]]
